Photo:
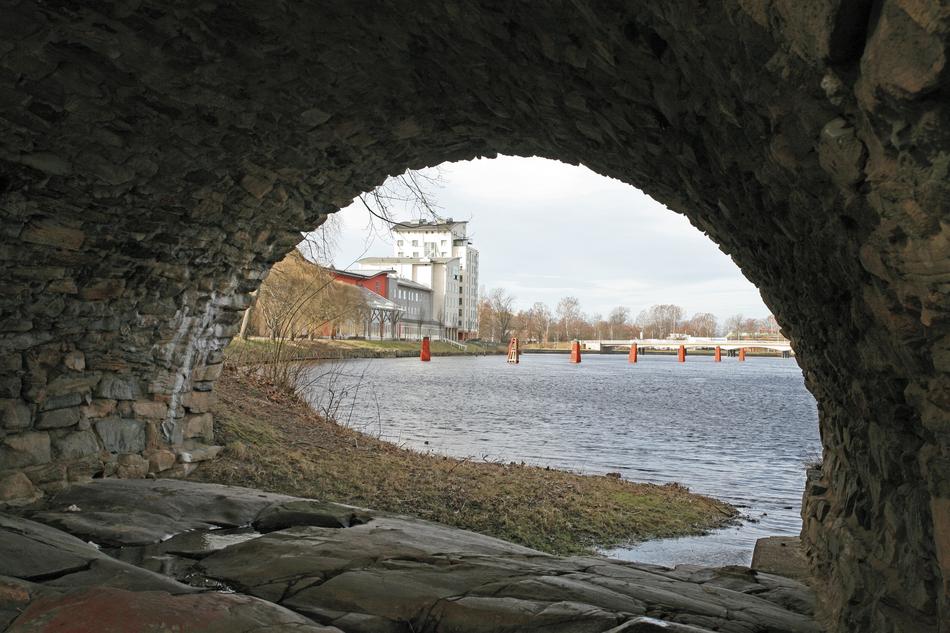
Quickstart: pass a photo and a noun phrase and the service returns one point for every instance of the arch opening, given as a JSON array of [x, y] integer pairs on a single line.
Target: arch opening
[[146, 190]]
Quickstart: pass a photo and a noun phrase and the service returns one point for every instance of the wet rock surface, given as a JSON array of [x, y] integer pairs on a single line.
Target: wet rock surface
[[207, 566]]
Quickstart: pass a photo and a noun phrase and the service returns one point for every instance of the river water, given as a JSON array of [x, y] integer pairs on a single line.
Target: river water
[[738, 431]]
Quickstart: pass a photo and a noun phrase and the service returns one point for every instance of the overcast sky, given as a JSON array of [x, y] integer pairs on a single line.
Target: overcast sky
[[545, 230]]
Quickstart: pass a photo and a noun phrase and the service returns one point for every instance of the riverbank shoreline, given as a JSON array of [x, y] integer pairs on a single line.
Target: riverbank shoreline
[[256, 350], [275, 442]]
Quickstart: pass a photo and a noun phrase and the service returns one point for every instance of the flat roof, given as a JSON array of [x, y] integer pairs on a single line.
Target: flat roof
[[350, 273], [402, 281], [416, 225], [406, 260]]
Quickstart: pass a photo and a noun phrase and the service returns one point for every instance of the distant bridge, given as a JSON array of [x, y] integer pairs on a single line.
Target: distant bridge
[[690, 343]]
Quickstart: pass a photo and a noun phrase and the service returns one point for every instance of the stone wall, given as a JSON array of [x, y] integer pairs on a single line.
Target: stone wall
[[157, 158]]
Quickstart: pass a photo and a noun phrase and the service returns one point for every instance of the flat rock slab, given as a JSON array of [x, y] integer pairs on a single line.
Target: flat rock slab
[[33, 552], [377, 576], [330, 567], [110, 610], [143, 511]]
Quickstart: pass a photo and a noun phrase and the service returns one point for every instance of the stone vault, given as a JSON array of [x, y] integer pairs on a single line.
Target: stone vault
[[157, 157]]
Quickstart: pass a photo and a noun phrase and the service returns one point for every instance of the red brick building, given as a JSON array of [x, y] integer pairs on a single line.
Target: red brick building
[[375, 282]]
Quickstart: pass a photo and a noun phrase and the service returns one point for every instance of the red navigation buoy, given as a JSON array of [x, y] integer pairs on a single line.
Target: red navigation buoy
[[681, 354], [426, 353], [633, 353], [718, 355], [741, 353]]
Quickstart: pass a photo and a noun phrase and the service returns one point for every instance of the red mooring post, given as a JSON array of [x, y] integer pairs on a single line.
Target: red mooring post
[[718, 355], [426, 353], [576, 352], [742, 353], [681, 354], [633, 353]]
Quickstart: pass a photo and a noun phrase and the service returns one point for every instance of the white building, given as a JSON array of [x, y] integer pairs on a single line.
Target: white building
[[436, 243]]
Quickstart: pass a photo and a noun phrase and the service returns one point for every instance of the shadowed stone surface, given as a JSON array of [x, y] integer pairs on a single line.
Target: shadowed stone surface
[[156, 160], [97, 610], [383, 573]]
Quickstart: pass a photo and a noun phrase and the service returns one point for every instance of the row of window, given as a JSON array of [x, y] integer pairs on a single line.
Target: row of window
[[409, 295], [443, 243], [416, 254]]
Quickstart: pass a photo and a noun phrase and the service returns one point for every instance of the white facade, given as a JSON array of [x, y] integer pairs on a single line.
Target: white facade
[[434, 245]]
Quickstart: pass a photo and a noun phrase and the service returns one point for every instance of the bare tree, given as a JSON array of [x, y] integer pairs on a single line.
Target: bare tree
[[569, 316], [617, 320], [541, 319], [659, 321], [733, 326], [702, 324], [502, 310]]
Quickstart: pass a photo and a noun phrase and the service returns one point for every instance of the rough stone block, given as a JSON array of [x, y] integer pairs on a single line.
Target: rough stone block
[[160, 460], [150, 409], [63, 286], [200, 426], [72, 383], [11, 362], [61, 402], [83, 471], [98, 409], [820, 30], [46, 474], [120, 435], [75, 360], [116, 387], [15, 414], [902, 58], [781, 555], [24, 449], [198, 401], [102, 289], [17, 489], [196, 452], [841, 153], [207, 373], [77, 445], [131, 466], [58, 418], [52, 233], [10, 386]]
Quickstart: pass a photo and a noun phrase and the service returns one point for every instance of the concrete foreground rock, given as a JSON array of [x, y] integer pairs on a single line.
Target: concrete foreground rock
[[329, 567]]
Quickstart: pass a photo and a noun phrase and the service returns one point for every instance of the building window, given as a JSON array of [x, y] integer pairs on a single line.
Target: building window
[[415, 253], [415, 242], [400, 253], [398, 242]]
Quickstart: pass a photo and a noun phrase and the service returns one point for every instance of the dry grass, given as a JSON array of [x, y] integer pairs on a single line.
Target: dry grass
[[275, 442]]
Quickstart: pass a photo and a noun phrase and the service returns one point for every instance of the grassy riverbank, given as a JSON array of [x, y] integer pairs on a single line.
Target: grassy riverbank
[[275, 442], [253, 350]]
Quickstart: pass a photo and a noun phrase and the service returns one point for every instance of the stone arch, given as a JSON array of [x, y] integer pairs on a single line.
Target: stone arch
[[156, 160]]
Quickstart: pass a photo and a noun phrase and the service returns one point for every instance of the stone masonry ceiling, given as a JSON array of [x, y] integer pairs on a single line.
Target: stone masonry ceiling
[[157, 157]]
